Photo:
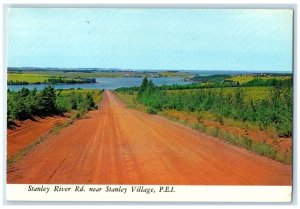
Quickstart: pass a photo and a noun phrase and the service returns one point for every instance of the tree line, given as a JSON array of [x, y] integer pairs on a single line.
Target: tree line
[[275, 110], [55, 80], [26, 103]]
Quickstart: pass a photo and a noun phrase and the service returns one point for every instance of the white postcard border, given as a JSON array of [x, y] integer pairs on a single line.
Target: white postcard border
[[18, 192], [165, 193]]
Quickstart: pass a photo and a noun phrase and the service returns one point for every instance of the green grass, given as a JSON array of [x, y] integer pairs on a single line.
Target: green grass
[[174, 74], [241, 79], [130, 101], [255, 93], [30, 78], [75, 74], [96, 93], [260, 148], [246, 78]]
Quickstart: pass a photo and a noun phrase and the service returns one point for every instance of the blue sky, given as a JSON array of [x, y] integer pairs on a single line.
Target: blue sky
[[185, 39]]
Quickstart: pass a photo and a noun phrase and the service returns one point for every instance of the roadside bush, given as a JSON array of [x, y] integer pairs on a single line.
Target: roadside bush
[[215, 132], [200, 127], [152, 110], [264, 149]]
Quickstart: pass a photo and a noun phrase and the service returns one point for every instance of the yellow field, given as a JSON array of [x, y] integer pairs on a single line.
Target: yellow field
[[246, 78], [30, 78], [255, 93]]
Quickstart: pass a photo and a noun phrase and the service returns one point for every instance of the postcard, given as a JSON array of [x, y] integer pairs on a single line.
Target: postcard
[[149, 104]]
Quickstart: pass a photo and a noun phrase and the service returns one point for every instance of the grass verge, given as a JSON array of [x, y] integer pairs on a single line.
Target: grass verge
[[251, 145], [260, 148]]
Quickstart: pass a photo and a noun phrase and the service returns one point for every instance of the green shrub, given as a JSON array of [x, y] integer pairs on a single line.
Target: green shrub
[[264, 149], [215, 132], [152, 110], [200, 127]]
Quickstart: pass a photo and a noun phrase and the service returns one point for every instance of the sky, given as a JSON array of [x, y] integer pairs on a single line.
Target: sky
[[166, 39]]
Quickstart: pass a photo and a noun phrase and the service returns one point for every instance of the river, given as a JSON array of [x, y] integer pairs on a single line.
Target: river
[[106, 83]]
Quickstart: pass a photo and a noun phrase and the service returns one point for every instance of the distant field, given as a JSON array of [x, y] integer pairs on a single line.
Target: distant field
[[77, 74], [28, 77], [246, 78], [115, 74], [42, 78], [255, 93], [174, 74]]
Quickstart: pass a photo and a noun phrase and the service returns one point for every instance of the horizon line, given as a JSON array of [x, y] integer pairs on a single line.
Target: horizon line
[[136, 69]]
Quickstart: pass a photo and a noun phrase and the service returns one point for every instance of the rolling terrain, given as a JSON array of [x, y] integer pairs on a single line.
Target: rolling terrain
[[118, 145]]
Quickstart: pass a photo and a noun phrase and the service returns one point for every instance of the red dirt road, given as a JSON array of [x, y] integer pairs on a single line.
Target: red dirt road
[[118, 145]]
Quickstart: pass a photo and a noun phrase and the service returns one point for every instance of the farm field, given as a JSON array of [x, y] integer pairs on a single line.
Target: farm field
[[254, 93], [246, 78], [28, 77], [106, 149]]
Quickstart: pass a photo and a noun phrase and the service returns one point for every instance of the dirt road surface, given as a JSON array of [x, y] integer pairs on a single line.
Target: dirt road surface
[[118, 145], [28, 131]]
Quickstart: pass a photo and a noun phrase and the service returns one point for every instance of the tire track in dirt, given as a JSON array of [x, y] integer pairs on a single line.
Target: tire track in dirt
[[118, 145]]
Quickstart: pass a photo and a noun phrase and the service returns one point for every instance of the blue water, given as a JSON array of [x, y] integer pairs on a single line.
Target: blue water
[[105, 83]]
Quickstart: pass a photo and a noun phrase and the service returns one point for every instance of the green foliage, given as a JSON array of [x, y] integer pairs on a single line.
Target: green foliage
[[264, 149], [215, 132], [54, 80], [210, 78], [200, 127], [273, 110], [47, 101], [24, 104], [152, 110], [149, 95], [260, 148]]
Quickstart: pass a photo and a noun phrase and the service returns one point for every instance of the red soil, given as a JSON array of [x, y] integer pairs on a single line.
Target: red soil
[[282, 145], [27, 131], [118, 145]]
